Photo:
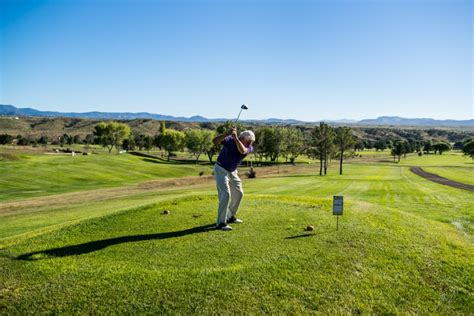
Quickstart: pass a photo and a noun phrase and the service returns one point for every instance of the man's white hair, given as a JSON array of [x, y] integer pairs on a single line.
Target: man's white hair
[[248, 135]]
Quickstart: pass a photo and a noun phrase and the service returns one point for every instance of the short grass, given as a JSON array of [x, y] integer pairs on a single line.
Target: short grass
[[404, 246], [459, 174], [451, 158], [140, 261], [27, 175]]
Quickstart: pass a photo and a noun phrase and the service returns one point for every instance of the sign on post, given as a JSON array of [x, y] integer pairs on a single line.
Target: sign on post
[[337, 207]]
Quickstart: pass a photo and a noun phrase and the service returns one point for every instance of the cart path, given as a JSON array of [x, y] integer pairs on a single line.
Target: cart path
[[438, 179]]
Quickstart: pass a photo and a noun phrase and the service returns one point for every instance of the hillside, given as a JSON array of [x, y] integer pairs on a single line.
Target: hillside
[[35, 127], [10, 110]]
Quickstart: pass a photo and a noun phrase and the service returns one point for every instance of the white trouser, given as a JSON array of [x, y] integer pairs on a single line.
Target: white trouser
[[229, 189]]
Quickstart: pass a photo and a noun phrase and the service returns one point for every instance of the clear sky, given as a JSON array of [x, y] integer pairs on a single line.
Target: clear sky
[[307, 60]]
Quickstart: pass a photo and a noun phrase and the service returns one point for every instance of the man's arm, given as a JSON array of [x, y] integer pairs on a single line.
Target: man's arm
[[219, 138]]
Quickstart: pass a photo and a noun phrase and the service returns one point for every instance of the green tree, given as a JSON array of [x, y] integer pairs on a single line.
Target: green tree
[[139, 141], [128, 144], [171, 141], [209, 148], [197, 142], [381, 145], [148, 142], [468, 148], [294, 140], [162, 127], [428, 146], [399, 148], [272, 144], [343, 141], [6, 139], [321, 145], [77, 139], [441, 147], [111, 134], [22, 141], [43, 140]]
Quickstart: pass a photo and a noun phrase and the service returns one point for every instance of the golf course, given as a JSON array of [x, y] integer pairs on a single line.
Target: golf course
[[130, 234]]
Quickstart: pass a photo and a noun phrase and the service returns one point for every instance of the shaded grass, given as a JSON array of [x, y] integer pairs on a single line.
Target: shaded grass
[[380, 261]]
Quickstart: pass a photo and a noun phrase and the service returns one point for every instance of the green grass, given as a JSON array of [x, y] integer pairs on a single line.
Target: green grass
[[404, 246], [25, 176], [459, 174], [451, 158]]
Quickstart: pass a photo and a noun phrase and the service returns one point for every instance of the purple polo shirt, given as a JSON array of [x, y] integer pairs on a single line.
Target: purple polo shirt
[[230, 157]]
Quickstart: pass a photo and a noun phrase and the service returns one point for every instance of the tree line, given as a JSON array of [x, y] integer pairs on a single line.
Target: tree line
[[273, 143]]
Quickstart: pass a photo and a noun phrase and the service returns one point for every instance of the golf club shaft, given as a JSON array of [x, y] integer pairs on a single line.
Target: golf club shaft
[[238, 116]]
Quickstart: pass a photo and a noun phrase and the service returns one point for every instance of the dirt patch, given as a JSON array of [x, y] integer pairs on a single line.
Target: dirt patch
[[438, 179]]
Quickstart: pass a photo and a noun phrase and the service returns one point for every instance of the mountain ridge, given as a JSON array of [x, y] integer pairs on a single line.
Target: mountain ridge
[[10, 110]]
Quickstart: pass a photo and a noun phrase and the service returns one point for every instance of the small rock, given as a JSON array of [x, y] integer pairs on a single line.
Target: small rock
[[309, 228], [166, 212]]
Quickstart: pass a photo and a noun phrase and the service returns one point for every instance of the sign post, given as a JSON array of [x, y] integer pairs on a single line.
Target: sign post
[[337, 208]]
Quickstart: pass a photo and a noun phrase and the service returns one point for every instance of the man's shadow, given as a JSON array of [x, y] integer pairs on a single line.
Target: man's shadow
[[92, 246]]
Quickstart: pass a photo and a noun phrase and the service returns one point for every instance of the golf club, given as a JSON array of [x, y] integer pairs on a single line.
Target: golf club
[[242, 107]]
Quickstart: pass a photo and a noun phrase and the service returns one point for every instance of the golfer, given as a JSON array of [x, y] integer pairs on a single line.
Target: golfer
[[229, 185]]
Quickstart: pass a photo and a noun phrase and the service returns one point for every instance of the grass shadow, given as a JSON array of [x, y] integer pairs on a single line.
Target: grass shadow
[[301, 236], [88, 247]]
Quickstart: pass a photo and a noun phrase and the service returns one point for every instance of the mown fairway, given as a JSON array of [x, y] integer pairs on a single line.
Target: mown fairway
[[25, 176], [404, 244]]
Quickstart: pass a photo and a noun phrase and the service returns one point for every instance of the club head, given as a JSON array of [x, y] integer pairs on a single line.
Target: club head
[[244, 107]]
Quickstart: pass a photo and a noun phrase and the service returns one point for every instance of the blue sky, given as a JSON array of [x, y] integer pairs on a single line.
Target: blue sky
[[307, 60]]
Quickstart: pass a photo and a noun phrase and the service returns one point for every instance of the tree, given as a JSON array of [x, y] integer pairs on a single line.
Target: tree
[[271, 143], [139, 141], [77, 139], [458, 145], [148, 142], [196, 142], [64, 140], [209, 148], [359, 145], [294, 140], [468, 148], [162, 127], [441, 147], [321, 145], [111, 134], [128, 144], [89, 140], [344, 141], [428, 146], [22, 141], [398, 150], [381, 145], [43, 140], [171, 140], [6, 139]]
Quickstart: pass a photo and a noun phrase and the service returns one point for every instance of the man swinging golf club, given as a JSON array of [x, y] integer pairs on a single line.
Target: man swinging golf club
[[229, 186]]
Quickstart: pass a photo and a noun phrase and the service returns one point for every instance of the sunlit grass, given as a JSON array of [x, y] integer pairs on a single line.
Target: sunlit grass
[[404, 244], [39, 175], [380, 261]]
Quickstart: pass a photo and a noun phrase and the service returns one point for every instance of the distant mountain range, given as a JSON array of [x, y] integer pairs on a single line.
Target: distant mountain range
[[10, 110]]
